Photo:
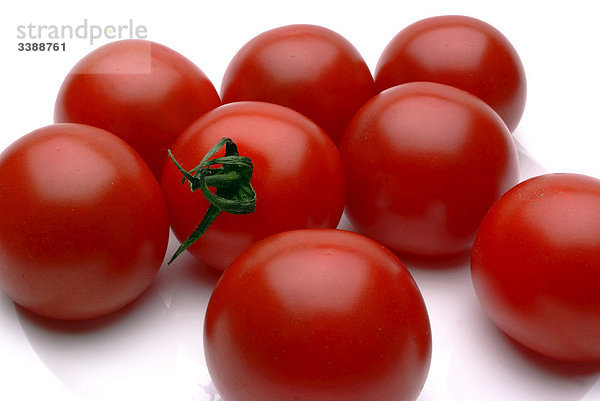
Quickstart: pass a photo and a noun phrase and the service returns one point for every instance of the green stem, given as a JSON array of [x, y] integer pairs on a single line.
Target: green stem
[[211, 215], [230, 175]]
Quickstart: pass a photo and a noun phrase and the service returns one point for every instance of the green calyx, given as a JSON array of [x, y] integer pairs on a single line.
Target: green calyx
[[230, 175]]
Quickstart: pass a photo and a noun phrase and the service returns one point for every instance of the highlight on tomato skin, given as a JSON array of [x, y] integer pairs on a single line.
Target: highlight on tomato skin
[[142, 91], [308, 68], [459, 51], [84, 226], [424, 162], [535, 265], [297, 175], [317, 315]]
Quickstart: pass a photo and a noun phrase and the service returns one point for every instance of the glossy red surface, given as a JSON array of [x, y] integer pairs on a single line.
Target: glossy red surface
[[308, 68], [536, 265], [84, 224], [424, 162], [459, 51], [317, 315]]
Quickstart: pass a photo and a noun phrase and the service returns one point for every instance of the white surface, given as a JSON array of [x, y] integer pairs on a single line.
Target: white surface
[[152, 350]]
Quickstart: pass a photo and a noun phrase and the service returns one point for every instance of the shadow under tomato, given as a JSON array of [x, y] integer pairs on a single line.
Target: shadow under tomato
[[451, 261], [93, 358], [195, 270], [486, 361], [150, 349], [550, 365], [74, 327], [455, 261], [185, 288], [528, 165]]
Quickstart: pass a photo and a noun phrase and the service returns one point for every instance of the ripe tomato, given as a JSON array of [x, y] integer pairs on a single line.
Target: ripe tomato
[[536, 265], [84, 224], [317, 315], [308, 68], [141, 91], [424, 162], [298, 178], [459, 51]]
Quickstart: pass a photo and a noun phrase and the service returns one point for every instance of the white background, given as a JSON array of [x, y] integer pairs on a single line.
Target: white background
[[152, 350]]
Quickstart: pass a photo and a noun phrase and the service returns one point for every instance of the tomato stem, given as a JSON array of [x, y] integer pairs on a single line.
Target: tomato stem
[[230, 175]]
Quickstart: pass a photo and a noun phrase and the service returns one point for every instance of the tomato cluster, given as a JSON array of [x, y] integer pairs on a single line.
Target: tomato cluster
[[418, 155]]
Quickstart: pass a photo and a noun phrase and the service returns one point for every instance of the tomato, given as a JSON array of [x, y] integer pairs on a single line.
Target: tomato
[[424, 162], [298, 178], [308, 68], [458, 51], [536, 265], [141, 91], [317, 315], [84, 224]]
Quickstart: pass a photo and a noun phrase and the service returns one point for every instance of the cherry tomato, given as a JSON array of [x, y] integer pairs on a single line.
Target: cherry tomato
[[317, 315], [141, 91], [458, 51], [298, 178], [308, 68], [84, 224], [424, 162], [536, 265]]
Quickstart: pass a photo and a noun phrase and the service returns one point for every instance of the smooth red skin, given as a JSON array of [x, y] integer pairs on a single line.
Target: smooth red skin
[[536, 265], [424, 162], [298, 178], [84, 224], [459, 51], [308, 68], [141, 91], [317, 315]]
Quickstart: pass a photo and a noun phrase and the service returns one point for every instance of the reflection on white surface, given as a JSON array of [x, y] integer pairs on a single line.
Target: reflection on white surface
[[524, 375], [150, 350]]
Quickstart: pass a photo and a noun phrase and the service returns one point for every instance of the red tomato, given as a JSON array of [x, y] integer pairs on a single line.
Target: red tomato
[[141, 91], [308, 68], [459, 51], [317, 315], [424, 162], [536, 265], [84, 224], [298, 178]]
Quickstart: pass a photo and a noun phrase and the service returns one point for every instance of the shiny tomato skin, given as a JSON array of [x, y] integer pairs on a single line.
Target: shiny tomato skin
[[317, 315], [308, 68], [424, 162], [84, 225], [459, 51], [141, 91], [298, 178], [536, 265]]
